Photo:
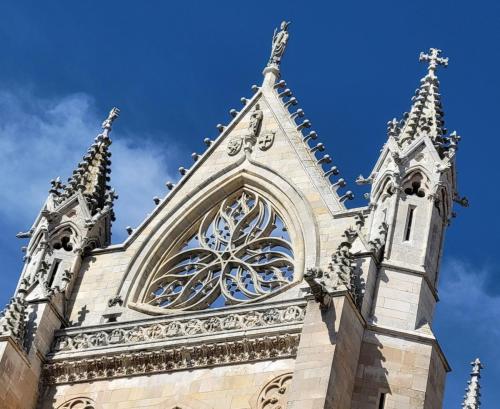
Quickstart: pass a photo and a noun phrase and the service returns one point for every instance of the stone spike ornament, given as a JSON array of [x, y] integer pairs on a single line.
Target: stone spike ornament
[[91, 177], [473, 394], [426, 114]]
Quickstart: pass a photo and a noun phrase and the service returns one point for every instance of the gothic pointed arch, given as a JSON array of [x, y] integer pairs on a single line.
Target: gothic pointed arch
[[238, 252], [273, 394], [239, 240], [78, 403]]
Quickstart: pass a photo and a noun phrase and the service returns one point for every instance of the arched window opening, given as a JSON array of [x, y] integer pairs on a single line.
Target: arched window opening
[[385, 191], [63, 240], [415, 185], [239, 251]]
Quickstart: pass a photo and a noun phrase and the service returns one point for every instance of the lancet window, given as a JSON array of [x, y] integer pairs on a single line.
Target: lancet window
[[238, 252]]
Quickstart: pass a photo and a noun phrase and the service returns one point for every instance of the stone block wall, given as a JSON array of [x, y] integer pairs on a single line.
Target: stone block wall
[[224, 387]]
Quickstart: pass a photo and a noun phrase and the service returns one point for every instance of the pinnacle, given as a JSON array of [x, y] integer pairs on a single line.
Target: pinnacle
[[91, 176], [426, 114], [473, 394]]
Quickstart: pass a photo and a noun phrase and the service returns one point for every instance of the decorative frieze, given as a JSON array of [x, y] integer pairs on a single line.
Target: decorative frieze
[[172, 359], [178, 328]]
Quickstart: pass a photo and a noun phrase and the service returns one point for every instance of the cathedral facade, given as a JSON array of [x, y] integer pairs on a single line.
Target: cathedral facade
[[251, 285]]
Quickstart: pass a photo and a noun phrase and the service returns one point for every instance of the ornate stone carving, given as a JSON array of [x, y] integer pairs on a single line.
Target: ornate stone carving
[[78, 403], [234, 145], [172, 359], [280, 40], [12, 318], [132, 334], [378, 243], [339, 276], [116, 300], [273, 394], [239, 252], [255, 122], [264, 142]]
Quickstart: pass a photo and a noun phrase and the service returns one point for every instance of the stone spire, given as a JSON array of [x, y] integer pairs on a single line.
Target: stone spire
[[91, 177], [426, 114], [472, 395]]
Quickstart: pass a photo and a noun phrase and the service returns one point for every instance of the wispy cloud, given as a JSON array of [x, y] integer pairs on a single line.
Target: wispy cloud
[[44, 138], [466, 299]]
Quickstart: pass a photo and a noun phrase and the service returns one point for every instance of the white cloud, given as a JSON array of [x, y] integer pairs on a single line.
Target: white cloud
[[464, 298], [44, 138]]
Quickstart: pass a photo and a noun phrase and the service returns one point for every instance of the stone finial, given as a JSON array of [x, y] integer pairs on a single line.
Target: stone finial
[[108, 122], [473, 394], [434, 60]]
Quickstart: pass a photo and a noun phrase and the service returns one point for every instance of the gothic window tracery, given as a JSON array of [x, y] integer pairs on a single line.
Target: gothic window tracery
[[238, 252], [78, 403], [63, 240], [273, 394], [415, 185]]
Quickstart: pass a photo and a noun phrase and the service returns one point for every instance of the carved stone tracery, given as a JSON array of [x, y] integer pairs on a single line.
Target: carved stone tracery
[[78, 403], [274, 393], [238, 252]]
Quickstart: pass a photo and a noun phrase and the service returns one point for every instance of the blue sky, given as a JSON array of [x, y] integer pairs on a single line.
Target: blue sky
[[175, 70]]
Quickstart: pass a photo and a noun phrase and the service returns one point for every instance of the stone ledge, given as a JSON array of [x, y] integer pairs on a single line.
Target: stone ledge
[[172, 359], [277, 318]]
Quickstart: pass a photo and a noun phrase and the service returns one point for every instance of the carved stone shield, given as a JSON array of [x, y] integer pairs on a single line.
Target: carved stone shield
[[264, 142], [234, 145]]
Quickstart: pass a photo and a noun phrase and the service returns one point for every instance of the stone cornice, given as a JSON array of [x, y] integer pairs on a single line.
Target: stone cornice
[[269, 319], [172, 359]]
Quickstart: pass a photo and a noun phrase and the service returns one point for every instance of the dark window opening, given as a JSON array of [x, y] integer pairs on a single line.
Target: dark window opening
[[409, 223], [64, 244], [381, 402], [53, 272]]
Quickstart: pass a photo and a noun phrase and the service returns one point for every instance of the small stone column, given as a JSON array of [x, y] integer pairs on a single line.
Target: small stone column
[[327, 355]]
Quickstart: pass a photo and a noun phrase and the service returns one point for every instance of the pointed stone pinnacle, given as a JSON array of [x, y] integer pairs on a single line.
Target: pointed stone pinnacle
[[473, 394], [433, 59], [113, 114]]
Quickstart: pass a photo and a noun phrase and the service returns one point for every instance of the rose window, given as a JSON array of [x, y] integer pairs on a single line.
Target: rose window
[[238, 252]]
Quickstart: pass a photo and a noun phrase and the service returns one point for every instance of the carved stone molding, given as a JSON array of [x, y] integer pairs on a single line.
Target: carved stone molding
[[172, 359], [273, 394], [78, 403], [179, 328]]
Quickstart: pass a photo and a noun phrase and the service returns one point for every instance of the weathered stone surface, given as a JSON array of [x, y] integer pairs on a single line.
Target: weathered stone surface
[[205, 304]]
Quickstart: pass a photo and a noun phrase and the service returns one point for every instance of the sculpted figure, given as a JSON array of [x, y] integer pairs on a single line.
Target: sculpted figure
[[255, 121], [253, 128], [280, 38]]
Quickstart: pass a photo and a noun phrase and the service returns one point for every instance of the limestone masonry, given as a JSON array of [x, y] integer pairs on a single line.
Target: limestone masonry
[[251, 285]]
